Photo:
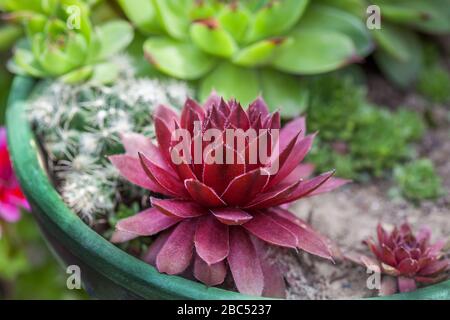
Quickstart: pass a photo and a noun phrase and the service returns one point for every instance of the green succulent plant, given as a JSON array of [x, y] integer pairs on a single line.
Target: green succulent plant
[[418, 180], [400, 50], [399, 44], [61, 41], [244, 48]]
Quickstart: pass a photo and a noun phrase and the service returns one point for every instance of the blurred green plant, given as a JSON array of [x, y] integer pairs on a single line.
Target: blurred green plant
[[27, 269], [434, 84], [400, 49], [418, 180], [434, 80], [245, 48], [355, 136], [61, 41], [399, 44]]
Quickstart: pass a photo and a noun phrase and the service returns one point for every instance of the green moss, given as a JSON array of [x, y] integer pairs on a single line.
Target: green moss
[[380, 141], [434, 84], [335, 105], [357, 138], [418, 180], [434, 80]]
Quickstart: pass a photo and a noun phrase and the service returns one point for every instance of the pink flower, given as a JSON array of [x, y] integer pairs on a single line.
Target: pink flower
[[11, 197], [223, 216]]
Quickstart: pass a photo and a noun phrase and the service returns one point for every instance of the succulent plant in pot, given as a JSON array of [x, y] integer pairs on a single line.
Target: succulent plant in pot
[[230, 211], [108, 271], [244, 48], [61, 42]]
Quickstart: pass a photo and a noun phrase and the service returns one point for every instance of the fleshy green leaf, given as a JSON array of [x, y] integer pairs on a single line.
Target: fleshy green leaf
[[399, 55], [259, 53], [428, 16], [322, 17], [211, 38], [105, 73], [231, 81], [8, 35], [173, 15], [113, 36], [315, 51], [178, 59], [235, 21], [275, 18], [142, 14], [286, 92], [77, 75], [24, 62], [355, 7]]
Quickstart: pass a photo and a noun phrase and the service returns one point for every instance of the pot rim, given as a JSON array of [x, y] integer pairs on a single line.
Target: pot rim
[[118, 266]]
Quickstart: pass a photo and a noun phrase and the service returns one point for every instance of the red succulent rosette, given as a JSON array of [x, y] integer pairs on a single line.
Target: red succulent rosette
[[406, 257], [219, 216]]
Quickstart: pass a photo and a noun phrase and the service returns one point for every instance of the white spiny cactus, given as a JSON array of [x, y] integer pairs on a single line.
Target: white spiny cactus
[[80, 126]]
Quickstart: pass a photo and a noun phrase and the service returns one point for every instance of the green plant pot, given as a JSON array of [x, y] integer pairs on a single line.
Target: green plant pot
[[106, 271]]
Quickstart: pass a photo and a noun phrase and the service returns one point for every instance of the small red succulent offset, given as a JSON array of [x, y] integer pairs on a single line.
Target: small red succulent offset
[[220, 216], [408, 257]]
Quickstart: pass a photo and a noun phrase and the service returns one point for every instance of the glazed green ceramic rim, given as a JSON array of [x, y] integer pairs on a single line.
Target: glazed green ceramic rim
[[121, 268]]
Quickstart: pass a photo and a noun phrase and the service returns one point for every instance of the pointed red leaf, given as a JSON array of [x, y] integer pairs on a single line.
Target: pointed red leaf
[[163, 134], [213, 100], [258, 109], [192, 111], [288, 162], [305, 188], [330, 185], [291, 129], [203, 194], [301, 172], [146, 223], [135, 143], [176, 254], [244, 187], [244, 263], [219, 175], [237, 117], [434, 267], [211, 240], [269, 230], [388, 286], [274, 285], [131, 169], [401, 254], [406, 284], [122, 236], [231, 216], [408, 266], [155, 248], [179, 208], [210, 275], [170, 183], [387, 255], [272, 121], [308, 239], [166, 114]]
